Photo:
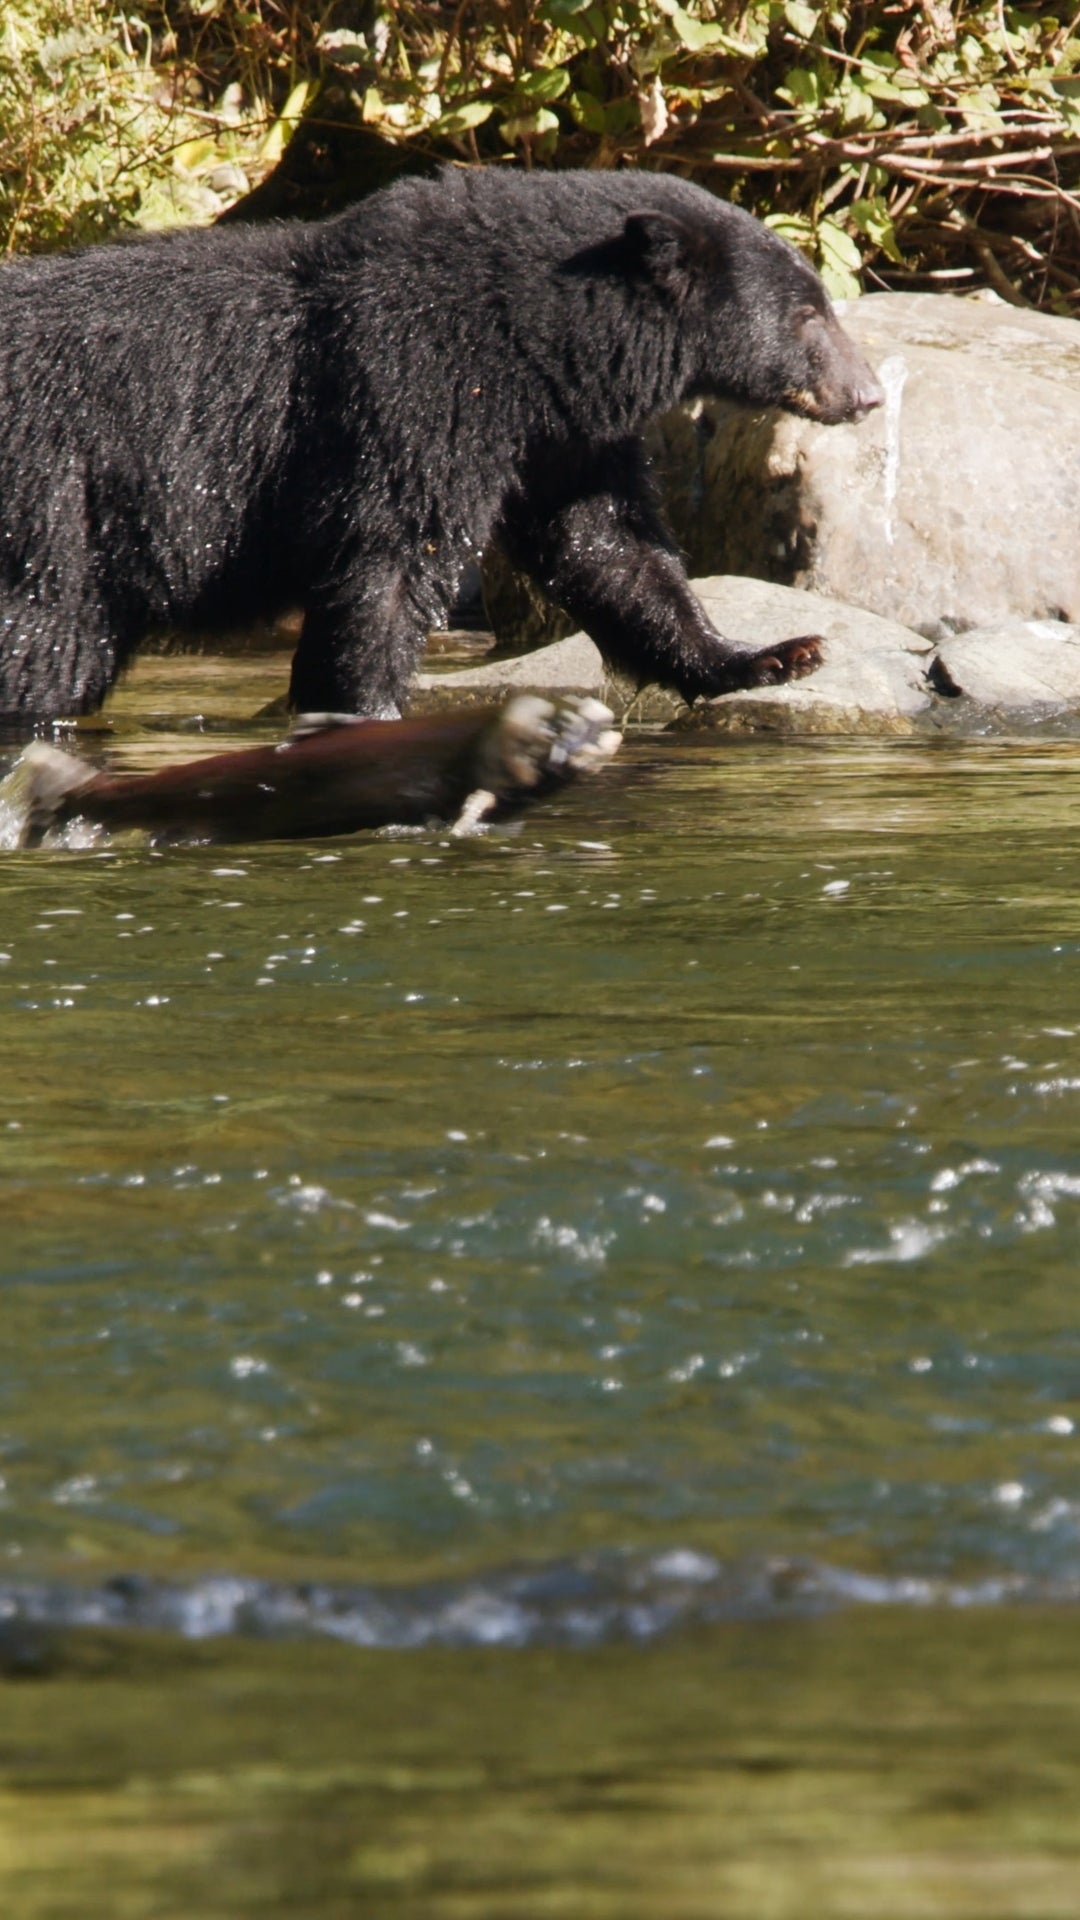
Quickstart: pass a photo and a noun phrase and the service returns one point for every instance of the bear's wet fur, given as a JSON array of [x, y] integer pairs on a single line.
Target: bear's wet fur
[[201, 428]]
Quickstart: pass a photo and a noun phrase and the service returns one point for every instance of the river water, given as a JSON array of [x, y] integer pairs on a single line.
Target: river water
[[501, 1299]]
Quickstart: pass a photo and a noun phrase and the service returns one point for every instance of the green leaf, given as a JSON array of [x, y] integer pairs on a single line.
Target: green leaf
[[836, 247], [529, 126], [705, 36], [841, 284], [193, 154], [802, 20], [588, 111], [622, 116], [839, 260], [873, 218], [932, 120], [561, 12], [980, 110], [550, 85], [802, 88], [971, 54], [285, 125], [900, 87], [794, 227], [856, 105], [461, 119]]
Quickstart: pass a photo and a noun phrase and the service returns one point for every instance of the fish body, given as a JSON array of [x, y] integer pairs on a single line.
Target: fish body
[[333, 775]]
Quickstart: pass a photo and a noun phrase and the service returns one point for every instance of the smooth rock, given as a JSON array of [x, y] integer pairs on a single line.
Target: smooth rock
[[1027, 668], [568, 666], [873, 679], [955, 506]]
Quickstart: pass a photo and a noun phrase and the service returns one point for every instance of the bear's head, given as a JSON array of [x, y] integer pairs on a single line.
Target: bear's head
[[755, 321]]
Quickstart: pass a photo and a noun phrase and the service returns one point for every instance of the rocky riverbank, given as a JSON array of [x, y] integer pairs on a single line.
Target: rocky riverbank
[[933, 545], [878, 676]]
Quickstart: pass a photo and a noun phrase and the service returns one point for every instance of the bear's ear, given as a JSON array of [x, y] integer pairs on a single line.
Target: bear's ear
[[661, 249]]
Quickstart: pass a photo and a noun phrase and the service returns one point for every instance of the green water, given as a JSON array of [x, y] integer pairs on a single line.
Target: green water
[[577, 1241], [870, 1767]]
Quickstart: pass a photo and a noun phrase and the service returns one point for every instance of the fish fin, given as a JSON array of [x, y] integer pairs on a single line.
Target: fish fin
[[303, 725], [478, 804]]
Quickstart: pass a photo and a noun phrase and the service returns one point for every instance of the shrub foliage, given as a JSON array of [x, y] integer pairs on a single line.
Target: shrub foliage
[[926, 145]]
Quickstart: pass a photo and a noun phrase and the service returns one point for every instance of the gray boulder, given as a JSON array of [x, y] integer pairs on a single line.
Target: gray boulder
[[873, 679], [573, 665], [956, 506], [1022, 674]]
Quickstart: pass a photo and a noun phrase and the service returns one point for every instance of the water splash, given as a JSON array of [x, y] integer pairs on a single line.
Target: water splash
[[17, 829], [14, 806], [593, 1600], [893, 374]]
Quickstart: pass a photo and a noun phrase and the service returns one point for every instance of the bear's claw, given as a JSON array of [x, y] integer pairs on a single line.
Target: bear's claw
[[790, 660], [738, 670]]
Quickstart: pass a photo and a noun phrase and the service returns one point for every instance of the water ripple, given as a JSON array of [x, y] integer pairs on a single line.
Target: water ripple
[[588, 1601]]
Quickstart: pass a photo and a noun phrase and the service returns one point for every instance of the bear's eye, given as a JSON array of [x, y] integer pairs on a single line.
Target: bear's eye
[[804, 316]]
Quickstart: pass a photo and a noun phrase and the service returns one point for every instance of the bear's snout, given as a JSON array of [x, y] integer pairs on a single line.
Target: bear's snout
[[841, 385], [847, 388], [867, 394]]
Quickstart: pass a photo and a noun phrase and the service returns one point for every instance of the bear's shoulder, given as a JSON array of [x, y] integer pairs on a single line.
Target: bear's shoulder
[[505, 209]]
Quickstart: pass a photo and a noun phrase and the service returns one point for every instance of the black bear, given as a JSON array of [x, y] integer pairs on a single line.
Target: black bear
[[200, 428]]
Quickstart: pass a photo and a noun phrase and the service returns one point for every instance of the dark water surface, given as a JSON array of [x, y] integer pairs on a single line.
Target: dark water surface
[[645, 1248]]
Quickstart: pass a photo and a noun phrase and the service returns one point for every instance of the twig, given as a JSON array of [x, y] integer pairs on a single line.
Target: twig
[[996, 273], [1006, 44]]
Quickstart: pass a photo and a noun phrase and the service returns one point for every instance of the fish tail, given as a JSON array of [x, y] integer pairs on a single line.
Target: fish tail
[[49, 780]]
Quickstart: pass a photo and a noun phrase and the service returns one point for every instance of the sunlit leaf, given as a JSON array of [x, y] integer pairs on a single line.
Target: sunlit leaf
[[836, 246], [544, 86], [705, 36], [794, 227], [588, 111], [195, 153], [802, 20], [802, 88], [841, 284], [285, 125], [872, 217], [461, 119], [529, 126]]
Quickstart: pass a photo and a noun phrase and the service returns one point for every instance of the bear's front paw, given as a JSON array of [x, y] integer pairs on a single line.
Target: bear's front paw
[[789, 660]]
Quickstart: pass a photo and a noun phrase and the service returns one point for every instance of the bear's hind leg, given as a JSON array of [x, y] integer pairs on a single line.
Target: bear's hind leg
[[359, 658], [55, 662]]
